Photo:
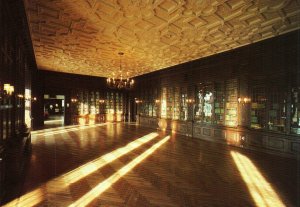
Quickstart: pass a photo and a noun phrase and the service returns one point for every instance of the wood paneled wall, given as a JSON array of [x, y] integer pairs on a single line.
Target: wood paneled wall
[[17, 66], [271, 65], [267, 60], [70, 86]]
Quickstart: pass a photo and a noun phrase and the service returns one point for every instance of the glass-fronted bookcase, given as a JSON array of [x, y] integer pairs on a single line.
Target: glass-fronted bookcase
[[231, 98]]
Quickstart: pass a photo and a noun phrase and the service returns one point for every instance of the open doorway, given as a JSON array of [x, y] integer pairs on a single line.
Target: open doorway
[[54, 110]]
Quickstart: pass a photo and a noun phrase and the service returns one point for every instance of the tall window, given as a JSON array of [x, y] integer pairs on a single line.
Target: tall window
[[119, 106], [146, 103], [92, 103], [150, 103], [155, 102], [183, 104], [86, 102], [150, 109], [119, 103], [110, 107], [143, 106], [295, 111], [170, 102], [176, 109], [97, 104], [28, 108], [164, 103]]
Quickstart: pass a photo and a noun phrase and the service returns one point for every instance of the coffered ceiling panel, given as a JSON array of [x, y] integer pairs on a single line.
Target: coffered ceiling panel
[[85, 36]]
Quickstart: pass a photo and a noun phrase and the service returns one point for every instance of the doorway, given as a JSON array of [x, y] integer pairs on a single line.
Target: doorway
[[54, 110]]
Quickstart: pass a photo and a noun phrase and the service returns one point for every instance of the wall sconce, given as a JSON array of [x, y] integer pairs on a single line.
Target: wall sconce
[[20, 96], [29, 98], [138, 101], [244, 100], [101, 101], [157, 101], [190, 101], [74, 100]]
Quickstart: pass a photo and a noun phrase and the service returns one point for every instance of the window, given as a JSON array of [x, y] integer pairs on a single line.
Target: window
[[176, 109], [170, 103], [295, 111], [164, 103], [119, 103], [150, 103], [119, 106], [97, 104], [110, 103], [183, 104], [92, 103], [145, 103], [231, 102], [141, 105], [155, 102], [150, 109], [85, 102]]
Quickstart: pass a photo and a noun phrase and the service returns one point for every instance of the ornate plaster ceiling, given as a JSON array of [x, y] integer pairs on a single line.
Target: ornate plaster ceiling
[[85, 36]]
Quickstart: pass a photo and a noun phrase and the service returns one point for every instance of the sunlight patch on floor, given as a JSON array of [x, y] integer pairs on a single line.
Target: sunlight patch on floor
[[64, 127], [104, 185], [62, 182], [60, 131], [260, 189]]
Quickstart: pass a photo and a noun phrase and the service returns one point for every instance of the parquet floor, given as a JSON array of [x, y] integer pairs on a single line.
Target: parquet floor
[[127, 165]]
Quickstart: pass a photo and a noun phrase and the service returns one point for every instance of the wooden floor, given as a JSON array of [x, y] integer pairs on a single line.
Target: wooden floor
[[67, 168]]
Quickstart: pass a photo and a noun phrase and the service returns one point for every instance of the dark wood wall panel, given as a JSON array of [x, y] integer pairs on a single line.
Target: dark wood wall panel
[[72, 87], [266, 73], [274, 57], [17, 65], [16, 61]]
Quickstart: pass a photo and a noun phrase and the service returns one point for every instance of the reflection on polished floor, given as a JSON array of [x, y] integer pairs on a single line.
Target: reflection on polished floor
[[54, 121], [126, 165]]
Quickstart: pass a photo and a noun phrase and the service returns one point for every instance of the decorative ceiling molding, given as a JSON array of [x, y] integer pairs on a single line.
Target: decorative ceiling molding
[[85, 36]]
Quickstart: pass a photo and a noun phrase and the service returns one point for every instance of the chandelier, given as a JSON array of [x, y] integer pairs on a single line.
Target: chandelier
[[119, 80]]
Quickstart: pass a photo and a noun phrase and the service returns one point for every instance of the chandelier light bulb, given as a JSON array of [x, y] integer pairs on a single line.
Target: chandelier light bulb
[[120, 80]]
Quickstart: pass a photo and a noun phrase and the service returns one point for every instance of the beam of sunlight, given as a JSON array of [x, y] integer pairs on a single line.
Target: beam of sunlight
[[92, 166], [260, 189], [30, 199], [67, 130], [62, 182], [62, 128], [53, 129], [104, 185]]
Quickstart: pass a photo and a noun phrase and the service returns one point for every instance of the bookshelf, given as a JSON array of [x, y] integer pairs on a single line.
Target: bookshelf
[[219, 103], [231, 102]]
